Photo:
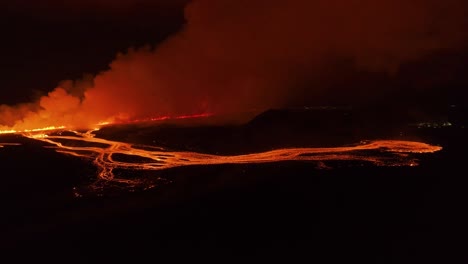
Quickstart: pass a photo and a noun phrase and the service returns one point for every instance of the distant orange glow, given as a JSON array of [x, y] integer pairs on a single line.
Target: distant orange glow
[[105, 123], [11, 131], [162, 118], [50, 128]]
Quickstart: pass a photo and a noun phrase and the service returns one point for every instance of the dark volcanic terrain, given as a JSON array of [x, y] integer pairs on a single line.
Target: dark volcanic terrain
[[323, 212]]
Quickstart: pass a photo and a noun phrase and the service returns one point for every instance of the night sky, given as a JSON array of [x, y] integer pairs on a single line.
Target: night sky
[[228, 56], [45, 42]]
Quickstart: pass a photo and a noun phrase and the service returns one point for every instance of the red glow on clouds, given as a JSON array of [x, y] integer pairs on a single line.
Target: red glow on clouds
[[238, 55]]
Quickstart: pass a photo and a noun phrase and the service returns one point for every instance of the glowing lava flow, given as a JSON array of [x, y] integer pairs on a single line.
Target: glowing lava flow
[[11, 130], [106, 154], [44, 129]]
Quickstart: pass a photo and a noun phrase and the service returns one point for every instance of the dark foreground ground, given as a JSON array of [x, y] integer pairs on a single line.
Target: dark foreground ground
[[289, 211]]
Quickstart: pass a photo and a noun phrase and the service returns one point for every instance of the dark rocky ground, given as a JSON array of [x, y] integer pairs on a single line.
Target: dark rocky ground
[[289, 211]]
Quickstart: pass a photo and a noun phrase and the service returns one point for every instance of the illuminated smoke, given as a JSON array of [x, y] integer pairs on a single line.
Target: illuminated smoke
[[237, 55]]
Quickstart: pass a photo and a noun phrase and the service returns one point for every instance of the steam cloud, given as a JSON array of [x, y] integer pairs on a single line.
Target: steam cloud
[[235, 55]]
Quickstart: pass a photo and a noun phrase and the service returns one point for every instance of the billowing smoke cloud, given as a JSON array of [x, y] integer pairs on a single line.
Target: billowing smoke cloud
[[237, 55]]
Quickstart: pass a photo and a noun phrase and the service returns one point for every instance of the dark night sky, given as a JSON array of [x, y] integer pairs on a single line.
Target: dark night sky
[[46, 42]]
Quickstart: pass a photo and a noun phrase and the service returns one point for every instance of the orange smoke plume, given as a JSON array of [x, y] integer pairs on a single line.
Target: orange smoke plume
[[241, 55]]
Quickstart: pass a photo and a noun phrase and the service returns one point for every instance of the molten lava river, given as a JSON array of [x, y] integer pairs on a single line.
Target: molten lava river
[[107, 155]]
